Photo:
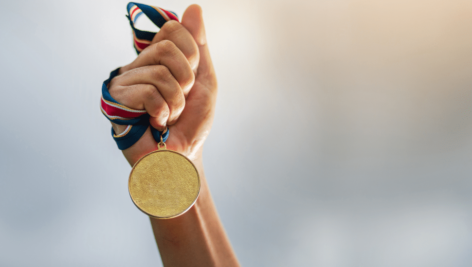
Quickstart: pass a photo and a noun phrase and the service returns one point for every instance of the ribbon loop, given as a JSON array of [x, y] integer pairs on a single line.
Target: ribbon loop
[[157, 15]]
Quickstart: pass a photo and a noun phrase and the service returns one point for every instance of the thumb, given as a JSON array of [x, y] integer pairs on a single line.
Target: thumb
[[192, 20]]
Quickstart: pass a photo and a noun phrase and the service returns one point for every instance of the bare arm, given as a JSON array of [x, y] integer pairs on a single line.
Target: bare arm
[[196, 238], [174, 81]]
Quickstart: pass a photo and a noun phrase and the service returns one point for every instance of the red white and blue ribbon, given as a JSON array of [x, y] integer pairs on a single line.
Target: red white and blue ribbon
[[114, 111], [137, 121], [157, 15]]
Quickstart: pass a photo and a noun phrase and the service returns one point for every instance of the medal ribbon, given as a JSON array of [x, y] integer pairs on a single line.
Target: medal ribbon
[[136, 120]]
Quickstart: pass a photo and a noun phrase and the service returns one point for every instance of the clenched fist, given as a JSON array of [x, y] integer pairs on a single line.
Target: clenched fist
[[174, 81]]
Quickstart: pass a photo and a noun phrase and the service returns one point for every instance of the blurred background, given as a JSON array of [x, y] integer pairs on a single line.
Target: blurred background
[[343, 134]]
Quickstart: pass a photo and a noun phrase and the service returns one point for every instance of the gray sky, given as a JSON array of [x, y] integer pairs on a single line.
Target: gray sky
[[343, 134]]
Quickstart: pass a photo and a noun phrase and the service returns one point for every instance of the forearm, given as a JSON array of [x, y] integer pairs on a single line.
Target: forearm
[[196, 238]]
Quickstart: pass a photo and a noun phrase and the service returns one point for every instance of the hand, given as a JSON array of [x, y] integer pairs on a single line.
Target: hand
[[174, 81]]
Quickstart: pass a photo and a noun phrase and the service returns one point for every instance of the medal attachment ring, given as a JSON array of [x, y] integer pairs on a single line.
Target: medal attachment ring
[[164, 184]]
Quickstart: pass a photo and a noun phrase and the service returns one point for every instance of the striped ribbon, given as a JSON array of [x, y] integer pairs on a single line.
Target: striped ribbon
[[137, 121], [157, 15]]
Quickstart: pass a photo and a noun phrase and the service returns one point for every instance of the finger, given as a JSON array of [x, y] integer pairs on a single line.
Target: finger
[[166, 53], [164, 83], [142, 96], [192, 20], [181, 37]]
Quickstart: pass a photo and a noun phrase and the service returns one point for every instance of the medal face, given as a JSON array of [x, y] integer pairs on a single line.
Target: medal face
[[164, 184]]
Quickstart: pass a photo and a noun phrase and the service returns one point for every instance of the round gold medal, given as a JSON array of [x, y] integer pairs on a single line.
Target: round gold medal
[[164, 184]]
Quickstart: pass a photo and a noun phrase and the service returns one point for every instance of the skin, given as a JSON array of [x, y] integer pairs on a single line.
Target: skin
[[174, 81]]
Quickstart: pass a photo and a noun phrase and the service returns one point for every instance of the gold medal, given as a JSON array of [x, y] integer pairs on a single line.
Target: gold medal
[[164, 184]]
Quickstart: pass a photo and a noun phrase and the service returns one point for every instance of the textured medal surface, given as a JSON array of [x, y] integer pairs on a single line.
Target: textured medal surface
[[164, 184]]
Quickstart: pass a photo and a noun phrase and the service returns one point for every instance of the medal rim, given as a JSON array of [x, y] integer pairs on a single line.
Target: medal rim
[[171, 216]]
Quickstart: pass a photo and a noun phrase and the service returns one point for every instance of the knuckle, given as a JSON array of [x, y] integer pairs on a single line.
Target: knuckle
[[117, 80], [166, 47], [115, 88], [150, 92], [161, 72], [171, 26]]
